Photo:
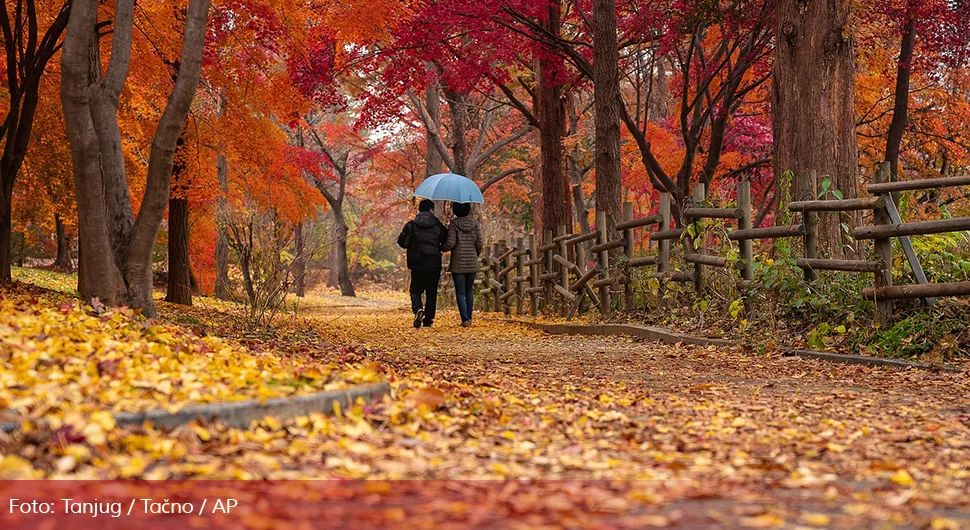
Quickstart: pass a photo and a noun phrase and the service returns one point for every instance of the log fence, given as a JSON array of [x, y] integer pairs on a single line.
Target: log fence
[[569, 272]]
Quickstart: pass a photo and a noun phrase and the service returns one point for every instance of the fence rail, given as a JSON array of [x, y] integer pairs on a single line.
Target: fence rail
[[568, 273]]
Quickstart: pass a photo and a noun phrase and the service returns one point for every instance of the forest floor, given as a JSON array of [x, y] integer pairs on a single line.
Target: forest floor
[[606, 431]]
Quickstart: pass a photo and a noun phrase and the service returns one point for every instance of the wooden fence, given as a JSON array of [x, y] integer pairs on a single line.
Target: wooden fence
[[568, 273]]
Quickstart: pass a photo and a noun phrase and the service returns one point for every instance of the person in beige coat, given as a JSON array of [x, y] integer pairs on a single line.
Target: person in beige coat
[[465, 242]]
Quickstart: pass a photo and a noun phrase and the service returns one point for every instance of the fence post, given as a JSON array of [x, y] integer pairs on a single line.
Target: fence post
[[628, 249], [547, 269], [497, 251], [520, 274], [603, 257], [810, 222], [507, 277], [663, 247], [486, 274], [563, 271], [884, 253], [533, 277], [747, 245], [697, 243]]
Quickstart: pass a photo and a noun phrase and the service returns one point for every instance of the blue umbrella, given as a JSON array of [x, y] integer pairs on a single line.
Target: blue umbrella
[[449, 187]]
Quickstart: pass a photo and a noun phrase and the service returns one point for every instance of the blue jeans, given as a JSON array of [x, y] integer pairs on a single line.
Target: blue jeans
[[465, 294]]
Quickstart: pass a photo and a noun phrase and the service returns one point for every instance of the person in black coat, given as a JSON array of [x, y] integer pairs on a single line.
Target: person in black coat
[[423, 237]]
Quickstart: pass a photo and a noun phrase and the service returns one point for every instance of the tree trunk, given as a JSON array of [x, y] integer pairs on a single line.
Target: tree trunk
[[63, 260], [222, 291], [179, 268], [118, 252], [27, 57], [553, 184], [813, 107], [298, 267], [432, 102], [459, 126], [606, 96], [339, 264], [6, 238], [894, 137]]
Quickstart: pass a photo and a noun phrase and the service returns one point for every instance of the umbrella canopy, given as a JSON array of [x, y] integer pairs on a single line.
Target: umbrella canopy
[[449, 187]]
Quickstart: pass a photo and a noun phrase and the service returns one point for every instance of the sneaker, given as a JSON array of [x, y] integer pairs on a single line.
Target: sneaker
[[426, 326], [417, 318], [466, 324]]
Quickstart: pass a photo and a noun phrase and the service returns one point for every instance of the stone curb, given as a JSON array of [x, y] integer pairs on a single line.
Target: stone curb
[[239, 414], [672, 337]]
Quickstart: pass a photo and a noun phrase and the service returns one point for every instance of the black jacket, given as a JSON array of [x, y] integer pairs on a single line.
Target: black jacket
[[423, 238]]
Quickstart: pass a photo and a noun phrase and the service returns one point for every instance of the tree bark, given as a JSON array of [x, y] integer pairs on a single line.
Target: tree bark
[[897, 127], [432, 102], [458, 109], [179, 269], [26, 61], [338, 254], [117, 250], [606, 96], [813, 107], [298, 267], [553, 184], [222, 290], [63, 260]]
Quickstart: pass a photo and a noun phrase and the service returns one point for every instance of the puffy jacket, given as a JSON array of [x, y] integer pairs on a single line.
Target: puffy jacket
[[465, 243], [422, 237]]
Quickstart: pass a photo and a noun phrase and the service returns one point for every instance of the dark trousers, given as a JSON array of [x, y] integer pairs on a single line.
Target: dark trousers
[[425, 282], [465, 294]]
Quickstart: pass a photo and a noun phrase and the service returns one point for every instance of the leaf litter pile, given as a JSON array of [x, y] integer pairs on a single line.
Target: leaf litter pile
[[601, 431]]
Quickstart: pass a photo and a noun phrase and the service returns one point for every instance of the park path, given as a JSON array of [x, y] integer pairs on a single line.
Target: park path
[[698, 432]]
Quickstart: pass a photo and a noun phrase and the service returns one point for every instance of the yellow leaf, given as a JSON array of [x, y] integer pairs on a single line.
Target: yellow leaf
[[817, 519], [15, 468], [903, 478]]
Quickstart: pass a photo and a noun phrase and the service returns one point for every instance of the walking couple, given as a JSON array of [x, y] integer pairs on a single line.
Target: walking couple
[[425, 238]]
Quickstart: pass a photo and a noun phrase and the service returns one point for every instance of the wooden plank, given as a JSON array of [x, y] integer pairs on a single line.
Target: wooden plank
[[703, 259], [565, 293], [673, 276], [884, 251], [604, 283], [907, 245], [927, 290], [637, 223], [839, 265], [713, 213], [810, 221], [563, 283], [582, 238], [628, 252], [771, 232], [547, 247], [936, 226], [918, 184], [607, 246], [643, 261], [744, 223], [666, 235], [580, 283], [534, 287], [564, 262], [841, 205]]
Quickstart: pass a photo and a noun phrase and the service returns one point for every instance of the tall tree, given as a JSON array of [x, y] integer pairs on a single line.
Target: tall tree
[[116, 246], [606, 95], [179, 288], [27, 53], [553, 186], [814, 122]]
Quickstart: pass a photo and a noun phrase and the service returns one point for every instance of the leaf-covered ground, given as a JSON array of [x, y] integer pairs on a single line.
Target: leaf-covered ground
[[618, 433]]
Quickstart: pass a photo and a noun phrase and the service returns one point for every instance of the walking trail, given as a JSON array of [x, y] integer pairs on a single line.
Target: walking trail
[[687, 435]]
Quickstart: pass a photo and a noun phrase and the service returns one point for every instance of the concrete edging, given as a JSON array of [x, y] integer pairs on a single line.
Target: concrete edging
[[239, 414], [672, 337]]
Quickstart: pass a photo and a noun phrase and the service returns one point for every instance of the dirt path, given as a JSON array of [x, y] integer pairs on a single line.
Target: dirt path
[[705, 436]]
